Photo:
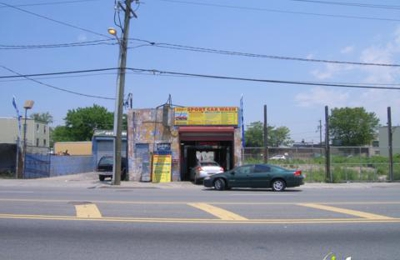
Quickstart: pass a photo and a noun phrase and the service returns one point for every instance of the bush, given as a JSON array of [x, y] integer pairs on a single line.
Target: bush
[[315, 175], [7, 175]]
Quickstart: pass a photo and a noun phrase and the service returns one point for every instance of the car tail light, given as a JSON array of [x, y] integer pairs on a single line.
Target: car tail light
[[198, 168], [221, 169], [297, 173]]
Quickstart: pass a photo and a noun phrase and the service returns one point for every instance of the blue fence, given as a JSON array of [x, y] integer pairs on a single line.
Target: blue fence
[[36, 166], [66, 165]]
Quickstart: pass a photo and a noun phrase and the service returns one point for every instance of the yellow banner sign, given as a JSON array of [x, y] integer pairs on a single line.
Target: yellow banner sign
[[161, 171], [206, 116]]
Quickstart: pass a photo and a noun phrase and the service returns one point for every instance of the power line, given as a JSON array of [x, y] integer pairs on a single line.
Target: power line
[[54, 73], [58, 45], [390, 7], [282, 11], [155, 72], [52, 3], [53, 87], [151, 73], [56, 21], [59, 77], [190, 48], [263, 80], [253, 55]]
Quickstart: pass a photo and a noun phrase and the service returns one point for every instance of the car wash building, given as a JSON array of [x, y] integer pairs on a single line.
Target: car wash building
[[166, 142]]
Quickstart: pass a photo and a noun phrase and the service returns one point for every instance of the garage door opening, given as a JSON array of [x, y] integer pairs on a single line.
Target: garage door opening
[[205, 143]]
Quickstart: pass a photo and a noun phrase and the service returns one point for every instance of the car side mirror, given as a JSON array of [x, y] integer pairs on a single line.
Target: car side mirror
[[232, 172]]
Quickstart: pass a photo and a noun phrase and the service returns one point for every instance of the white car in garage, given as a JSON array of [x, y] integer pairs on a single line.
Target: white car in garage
[[204, 169]]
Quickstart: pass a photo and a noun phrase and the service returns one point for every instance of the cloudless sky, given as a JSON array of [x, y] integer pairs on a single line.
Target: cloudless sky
[[351, 31]]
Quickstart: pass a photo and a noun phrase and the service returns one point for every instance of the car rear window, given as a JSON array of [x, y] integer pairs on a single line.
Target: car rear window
[[106, 160], [209, 164]]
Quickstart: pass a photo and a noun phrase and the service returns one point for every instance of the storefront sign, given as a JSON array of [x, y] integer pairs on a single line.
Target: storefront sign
[[163, 147], [161, 171], [107, 133], [206, 116]]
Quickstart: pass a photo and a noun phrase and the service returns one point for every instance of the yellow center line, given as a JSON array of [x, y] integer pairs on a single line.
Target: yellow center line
[[345, 211], [186, 202], [202, 221], [87, 211], [218, 212]]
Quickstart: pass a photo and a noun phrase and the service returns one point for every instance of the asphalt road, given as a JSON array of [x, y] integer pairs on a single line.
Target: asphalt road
[[91, 220]]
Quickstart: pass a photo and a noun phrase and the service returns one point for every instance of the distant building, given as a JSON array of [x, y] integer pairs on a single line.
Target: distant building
[[384, 140], [73, 148], [103, 144], [37, 133]]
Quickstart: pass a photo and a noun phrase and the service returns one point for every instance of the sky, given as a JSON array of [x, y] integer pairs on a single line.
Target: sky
[[276, 42]]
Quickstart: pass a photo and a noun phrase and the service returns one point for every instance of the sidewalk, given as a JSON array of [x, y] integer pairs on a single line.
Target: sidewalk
[[90, 180]]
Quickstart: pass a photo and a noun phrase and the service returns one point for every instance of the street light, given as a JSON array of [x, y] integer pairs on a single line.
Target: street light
[[112, 31], [27, 105]]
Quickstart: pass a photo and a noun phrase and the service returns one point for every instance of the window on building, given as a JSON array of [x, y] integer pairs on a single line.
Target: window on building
[[44, 130], [44, 142], [37, 141], [37, 128]]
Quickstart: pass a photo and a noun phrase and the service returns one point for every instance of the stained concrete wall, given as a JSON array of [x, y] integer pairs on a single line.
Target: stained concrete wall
[[146, 126], [149, 126]]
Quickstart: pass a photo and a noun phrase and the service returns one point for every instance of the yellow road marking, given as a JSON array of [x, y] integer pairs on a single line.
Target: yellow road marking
[[214, 203], [345, 211], [87, 211], [202, 221], [218, 212]]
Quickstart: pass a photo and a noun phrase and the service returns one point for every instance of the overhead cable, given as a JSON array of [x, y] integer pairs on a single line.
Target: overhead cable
[[173, 73], [253, 55], [389, 7], [52, 3], [147, 43], [56, 21], [53, 87], [54, 73], [58, 45], [282, 11], [155, 72]]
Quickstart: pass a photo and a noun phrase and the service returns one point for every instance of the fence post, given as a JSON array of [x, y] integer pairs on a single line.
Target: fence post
[[327, 148]]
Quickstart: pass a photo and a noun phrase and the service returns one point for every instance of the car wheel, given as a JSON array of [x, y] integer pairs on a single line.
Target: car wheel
[[102, 177], [219, 184], [278, 185]]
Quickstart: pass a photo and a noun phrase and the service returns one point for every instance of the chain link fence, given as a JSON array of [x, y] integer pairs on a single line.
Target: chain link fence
[[347, 164]]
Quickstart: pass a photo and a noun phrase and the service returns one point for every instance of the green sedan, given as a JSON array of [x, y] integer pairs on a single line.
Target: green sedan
[[256, 176]]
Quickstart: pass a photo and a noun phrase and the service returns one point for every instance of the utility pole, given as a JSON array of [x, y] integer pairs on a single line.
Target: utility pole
[[123, 43], [390, 142], [265, 135]]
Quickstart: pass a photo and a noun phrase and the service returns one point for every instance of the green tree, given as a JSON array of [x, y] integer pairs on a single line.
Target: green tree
[[352, 126], [80, 124], [279, 136], [254, 135], [42, 117], [59, 134]]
